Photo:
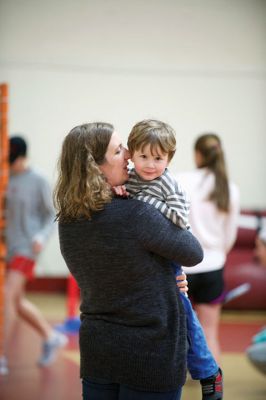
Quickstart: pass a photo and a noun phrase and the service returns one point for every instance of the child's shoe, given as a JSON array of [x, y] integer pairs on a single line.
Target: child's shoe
[[3, 366], [212, 387], [50, 347]]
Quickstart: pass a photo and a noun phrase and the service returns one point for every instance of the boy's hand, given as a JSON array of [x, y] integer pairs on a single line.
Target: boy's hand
[[182, 283], [120, 191]]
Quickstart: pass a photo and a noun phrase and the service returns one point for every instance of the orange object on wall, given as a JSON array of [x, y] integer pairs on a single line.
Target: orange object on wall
[[4, 172]]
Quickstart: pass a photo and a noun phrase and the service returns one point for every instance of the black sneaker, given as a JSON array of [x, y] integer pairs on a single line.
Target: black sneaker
[[212, 387]]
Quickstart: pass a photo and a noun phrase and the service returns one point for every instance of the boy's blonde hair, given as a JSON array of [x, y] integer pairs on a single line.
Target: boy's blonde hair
[[154, 133]]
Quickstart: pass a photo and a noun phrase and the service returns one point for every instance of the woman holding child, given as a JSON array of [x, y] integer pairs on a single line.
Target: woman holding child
[[133, 329]]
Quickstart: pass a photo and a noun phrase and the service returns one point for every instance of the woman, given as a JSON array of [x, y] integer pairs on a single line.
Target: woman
[[214, 211], [132, 335]]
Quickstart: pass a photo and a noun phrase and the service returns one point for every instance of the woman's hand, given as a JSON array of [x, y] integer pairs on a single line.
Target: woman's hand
[[182, 283]]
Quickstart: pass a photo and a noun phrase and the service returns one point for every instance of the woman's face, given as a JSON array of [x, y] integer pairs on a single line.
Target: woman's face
[[198, 159], [115, 165]]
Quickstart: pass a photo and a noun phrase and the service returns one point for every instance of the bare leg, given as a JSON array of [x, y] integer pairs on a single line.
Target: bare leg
[[16, 305], [30, 314], [14, 288], [209, 316]]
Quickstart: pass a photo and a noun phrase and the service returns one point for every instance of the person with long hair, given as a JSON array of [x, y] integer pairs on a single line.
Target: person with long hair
[[214, 210], [133, 328]]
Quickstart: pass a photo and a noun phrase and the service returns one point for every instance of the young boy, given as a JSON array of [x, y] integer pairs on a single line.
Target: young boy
[[152, 145]]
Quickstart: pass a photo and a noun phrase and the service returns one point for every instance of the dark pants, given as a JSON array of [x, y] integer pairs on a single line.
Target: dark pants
[[113, 391]]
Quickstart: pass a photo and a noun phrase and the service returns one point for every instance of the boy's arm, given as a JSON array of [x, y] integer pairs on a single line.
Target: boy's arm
[[160, 236], [177, 210], [176, 203]]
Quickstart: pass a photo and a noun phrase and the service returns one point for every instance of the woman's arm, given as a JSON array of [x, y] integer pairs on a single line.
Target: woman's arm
[[231, 225], [160, 236], [182, 283]]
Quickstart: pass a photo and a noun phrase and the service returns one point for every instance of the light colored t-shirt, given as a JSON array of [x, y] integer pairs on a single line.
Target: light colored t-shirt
[[216, 230]]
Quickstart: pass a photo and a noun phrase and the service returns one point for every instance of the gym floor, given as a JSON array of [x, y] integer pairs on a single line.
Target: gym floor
[[61, 380]]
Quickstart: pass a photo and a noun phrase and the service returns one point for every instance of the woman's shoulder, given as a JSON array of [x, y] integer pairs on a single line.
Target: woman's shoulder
[[191, 179], [131, 205], [187, 175], [196, 173], [136, 210], [120, 209], [234, 191]]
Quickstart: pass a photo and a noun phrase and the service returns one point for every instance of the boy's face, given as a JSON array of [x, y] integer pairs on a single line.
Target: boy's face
[[147, 165]]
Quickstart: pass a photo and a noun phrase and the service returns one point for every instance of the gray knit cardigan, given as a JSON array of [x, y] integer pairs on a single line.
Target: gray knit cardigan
[[133, 328]]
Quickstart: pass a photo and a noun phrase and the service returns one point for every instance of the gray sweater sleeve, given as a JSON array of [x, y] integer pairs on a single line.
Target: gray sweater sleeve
[[160, 236], [46, 209]]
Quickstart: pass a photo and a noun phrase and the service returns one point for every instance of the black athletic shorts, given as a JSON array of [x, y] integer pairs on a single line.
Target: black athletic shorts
[[206, 287]]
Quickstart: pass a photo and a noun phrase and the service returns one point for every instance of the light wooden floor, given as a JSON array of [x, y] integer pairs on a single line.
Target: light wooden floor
[[61, 381]]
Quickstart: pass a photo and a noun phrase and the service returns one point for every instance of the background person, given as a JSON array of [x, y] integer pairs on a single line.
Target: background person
[[30, 216], [256, 353], [214, 210], [133, 328]]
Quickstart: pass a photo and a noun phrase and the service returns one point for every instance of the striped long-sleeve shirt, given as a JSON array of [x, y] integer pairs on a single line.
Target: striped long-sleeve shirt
[[164, 193]]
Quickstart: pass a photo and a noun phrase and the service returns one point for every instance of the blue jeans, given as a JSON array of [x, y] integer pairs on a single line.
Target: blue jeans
[[200, 361], [93, 390]]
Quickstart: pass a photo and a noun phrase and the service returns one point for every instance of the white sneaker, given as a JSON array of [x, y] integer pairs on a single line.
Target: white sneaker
[[3, 366], [50, 347]]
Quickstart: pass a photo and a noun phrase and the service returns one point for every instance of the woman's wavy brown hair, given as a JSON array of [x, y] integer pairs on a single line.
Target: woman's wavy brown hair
[[81, 187], [209, 146]]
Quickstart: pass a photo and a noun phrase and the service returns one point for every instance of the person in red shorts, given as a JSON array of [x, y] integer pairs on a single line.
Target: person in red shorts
[[30, 221]]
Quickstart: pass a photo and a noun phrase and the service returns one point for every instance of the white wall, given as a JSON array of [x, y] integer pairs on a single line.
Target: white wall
[[197, 64]]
